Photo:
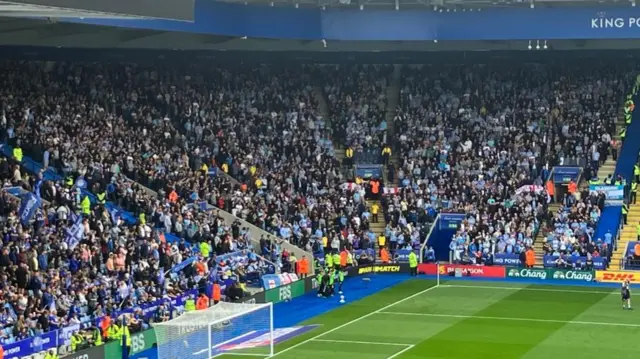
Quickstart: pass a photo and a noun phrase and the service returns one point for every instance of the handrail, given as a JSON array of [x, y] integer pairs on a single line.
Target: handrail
[[424, 245]]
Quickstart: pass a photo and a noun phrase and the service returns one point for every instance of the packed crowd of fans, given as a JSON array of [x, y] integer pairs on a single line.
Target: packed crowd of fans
[[572, 228], [357, 97], [50, 281], [171, 128], [251, 141], [471, 137]]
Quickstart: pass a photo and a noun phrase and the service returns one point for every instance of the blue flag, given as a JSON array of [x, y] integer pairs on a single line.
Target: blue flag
[[115, 214], [37, 188], [28, 206], [76, 232]]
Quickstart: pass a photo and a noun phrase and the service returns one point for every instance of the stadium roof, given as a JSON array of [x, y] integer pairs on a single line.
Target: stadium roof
[[32, 32], [439, 5]]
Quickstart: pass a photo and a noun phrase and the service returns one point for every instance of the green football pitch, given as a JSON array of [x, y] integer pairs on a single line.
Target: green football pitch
[[471, 319]]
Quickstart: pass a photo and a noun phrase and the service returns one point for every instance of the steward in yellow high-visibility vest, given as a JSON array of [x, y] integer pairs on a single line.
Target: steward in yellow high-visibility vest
[[68, 181], [97, 337], [413, 263], [76, 339], [101, 198], [51, 355], [348, 153], [348, 157], [336, 260], [189, 305], [205, 249], [328, 260], [86, 206], [623, 134], [17, 154], [633, 195], [386, 153], [113, 332]]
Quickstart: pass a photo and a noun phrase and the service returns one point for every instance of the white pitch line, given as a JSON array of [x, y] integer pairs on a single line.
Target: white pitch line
[[514, 319], [359, 342], [223, 343], [354, 321], [400, 352], [528, 289]]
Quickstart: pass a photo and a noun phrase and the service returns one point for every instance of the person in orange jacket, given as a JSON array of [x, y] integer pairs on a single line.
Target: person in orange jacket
[[303, 267], [384, 255], [215, 293], [530, 258], [203, 302]]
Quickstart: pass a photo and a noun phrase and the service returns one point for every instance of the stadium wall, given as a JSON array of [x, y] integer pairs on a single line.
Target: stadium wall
[[611, 217]]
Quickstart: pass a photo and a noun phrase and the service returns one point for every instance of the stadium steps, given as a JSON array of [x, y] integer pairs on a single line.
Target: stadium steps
[[393, 99], [627, 235], [538, 242], [379, 227], [608, 168], [323, 108]]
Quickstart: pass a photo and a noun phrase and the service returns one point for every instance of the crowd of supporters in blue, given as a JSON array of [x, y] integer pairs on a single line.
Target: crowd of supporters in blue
[[157, 141]]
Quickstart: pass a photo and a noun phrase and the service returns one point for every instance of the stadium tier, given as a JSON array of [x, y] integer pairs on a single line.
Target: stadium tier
[[203, 202]]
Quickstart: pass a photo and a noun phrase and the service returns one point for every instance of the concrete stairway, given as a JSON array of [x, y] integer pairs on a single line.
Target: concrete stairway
[[608, 168], [323, 108], [393, 97], [628, 234], [538, 242], [379, 227]]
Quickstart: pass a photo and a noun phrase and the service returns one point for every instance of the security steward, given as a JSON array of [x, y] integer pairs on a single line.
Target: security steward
[[77, 341], [413, 263]]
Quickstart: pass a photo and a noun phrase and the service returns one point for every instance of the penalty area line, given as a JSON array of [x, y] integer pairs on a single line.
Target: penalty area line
[[414, 295], [529, 289], [361, 342], [401, 352]]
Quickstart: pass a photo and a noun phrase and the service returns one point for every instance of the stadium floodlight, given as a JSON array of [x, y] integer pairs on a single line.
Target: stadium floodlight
[[545, 45], [244, 329], [537, 44], [529, 47]]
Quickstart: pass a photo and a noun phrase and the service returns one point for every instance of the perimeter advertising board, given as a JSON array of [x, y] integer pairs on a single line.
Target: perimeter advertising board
[[617, 276], [550, 274], [463, 270]]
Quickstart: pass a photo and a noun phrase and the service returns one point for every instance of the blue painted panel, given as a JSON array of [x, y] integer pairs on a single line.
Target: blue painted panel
[[333, 24]]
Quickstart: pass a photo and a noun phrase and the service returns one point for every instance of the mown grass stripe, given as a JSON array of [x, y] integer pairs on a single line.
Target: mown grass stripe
[[485, 338]]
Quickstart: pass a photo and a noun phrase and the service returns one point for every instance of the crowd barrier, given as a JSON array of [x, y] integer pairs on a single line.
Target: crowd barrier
[[598, 262], [506, 259]]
